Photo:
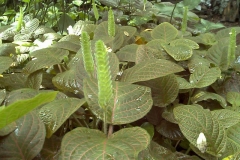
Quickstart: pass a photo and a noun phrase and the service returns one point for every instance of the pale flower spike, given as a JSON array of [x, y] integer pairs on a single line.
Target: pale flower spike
[[202, 142]]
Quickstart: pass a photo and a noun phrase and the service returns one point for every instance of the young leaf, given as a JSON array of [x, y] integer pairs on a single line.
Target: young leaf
[[95, 11], [87, 54], [194, 120], [124, 144], [103, 74], [18, 109], [27, 139], [55, 113]]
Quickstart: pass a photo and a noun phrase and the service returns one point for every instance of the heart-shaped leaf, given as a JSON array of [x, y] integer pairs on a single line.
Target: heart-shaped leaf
[[194, 120], [150, 69], [45, 58], [55, 113], [84, 143], [19, 108], [165, 31], [27, 139], [129, 102], [204, 76]]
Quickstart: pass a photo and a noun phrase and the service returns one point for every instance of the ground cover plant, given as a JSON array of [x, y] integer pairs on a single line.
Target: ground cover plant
[[95, 89]]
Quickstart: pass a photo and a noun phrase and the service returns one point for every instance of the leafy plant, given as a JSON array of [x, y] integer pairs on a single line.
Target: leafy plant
[[108, 91]]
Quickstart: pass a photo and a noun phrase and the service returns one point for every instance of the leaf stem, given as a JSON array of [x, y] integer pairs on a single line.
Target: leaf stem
[[110, 130]]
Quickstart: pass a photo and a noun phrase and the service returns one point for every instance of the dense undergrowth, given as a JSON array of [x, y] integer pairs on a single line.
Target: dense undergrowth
[[117, 80]]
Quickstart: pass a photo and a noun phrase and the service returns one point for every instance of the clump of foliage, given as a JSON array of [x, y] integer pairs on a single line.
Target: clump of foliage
[[108, 91]]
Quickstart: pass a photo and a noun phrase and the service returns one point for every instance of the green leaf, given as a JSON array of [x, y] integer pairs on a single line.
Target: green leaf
[[234, 98], [227, 117], [18, 109], [124, 144], [217, 54], [129, 102], [194, 120], [149, 128], [191, 3], [126, 53], [34, 80], [204, 76], [223, 33], [182, 41], [150, 69], [202, 96], [8, 128], [164, 89], [179, 52], [197, 61], [27, 139], [234, 137], [45, 58], [208, 39], [184, 84], [55, 113], [165, 31], [68, 45], [5, 63], [2, 95]]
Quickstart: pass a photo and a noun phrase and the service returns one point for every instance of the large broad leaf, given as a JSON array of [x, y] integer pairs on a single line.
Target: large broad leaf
[[13, 81], [217, 54], [197, 61], [27, 139], [227, 117], [129, 102], [68, 45], [184, 84], [84, 143], [5, 63], [18, 109], [45, 58], [164, 89], [165, 31], [128, 53], [202, 96], [205, 38], [34, 80], [72, 79], [194, 120], [204, 76], [179, 52], [234, 98], [150, 69], [55, 113], [8, 129], [234, 138]]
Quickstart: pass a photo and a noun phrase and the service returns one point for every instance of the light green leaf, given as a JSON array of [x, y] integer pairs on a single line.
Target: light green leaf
[[227, 117], [5, 63], [182, 41], [191, 3], [204, 76], [194, 120], [45, 58], [149, 128], [129, 102], [27, 139], [179, 52], [223, 33], [165, 31], [150, 69], [197, 61], [124, 144], [234, 137], [208, 39], [234, 98], [20, 108], [202, 96], [55, 113]]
